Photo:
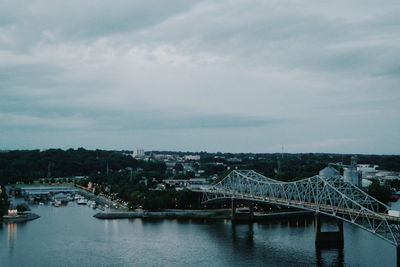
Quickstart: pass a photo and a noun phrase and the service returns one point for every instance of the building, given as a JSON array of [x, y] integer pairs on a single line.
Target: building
[[12, 210], [329, 172], [351, 175], [368, 171], [138, 153], [234, 160], [191, 157], [44, 190], [193, 183]]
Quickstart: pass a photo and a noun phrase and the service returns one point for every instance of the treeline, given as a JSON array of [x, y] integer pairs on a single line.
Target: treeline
[[28, 165], [290, 167], [25, 166]]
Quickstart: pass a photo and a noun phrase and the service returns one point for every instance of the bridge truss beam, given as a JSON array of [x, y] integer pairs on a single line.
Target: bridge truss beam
[[326, 195]]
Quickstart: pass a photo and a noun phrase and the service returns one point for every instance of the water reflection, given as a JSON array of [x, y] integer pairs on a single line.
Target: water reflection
[[249, 234], [137, 242], [335, 255], [12, 236]]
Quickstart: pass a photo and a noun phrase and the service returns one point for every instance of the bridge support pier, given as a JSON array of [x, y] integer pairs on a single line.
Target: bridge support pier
[[328, 238], [233, 212], [398, 256], [241, 216]]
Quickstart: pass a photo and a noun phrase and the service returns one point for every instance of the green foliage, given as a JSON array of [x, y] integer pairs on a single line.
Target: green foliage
[[154, 203], [27, 165], [395, 184], [381, 193], [184, 176], [178, 167], [21, 208], [212, 168], [385, 162], [169, 199]]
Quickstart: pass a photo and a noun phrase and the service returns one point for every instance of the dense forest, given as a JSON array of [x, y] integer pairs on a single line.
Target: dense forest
[[26, 166]]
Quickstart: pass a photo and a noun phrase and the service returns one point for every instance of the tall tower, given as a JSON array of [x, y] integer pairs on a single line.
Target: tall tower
[[350, 173]]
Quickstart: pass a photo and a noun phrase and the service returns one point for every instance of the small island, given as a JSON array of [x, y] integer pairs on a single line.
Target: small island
[[13, 213]]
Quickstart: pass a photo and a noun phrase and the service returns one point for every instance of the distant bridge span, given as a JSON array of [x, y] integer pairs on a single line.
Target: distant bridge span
[[326, 195]]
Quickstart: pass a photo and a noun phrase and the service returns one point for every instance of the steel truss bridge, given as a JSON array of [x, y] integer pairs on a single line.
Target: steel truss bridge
[[325, 195]]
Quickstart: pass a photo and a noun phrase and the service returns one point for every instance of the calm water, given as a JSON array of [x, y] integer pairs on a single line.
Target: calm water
[[70, 236]]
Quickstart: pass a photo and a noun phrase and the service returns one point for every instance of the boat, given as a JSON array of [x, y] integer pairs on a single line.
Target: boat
[[82, 201], [57, 203]]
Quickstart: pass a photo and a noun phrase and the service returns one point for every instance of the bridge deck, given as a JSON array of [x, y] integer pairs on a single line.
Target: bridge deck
[[305, 205]]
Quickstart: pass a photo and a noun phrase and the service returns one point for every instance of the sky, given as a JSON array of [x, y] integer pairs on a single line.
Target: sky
[[229, 76]]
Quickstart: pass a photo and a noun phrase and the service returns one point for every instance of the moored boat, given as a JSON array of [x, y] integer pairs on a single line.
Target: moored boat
[[82, 201]]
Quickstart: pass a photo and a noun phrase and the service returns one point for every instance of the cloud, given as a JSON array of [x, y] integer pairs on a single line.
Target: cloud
[[276, 71], [27, 122], [318, 145]]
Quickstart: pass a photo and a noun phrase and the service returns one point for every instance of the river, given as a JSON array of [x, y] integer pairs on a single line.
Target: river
[[70, 236]]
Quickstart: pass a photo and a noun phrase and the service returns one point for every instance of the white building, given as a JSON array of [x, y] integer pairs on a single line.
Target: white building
[[191, 157], [367, 167], [138, 153], [351, 175], [329, 172]]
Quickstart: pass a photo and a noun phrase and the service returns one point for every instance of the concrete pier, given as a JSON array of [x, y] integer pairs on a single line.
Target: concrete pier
[[241, 216], [328, 238]]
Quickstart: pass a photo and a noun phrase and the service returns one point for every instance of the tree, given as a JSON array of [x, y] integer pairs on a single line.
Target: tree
[[22, 208], [178, 167], [154, 203], [395, 184], [381, 193]]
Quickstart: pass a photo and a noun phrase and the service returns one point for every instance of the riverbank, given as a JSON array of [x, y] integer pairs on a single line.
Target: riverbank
[[101, 201], [181, 214], [20, 218], [196, 214]]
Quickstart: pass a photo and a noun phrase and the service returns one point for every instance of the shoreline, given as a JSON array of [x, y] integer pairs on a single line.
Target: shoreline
[[195, 214], [20, 218], [183, 214]]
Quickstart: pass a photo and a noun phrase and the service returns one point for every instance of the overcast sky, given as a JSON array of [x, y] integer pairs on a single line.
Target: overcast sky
[[230, 76]]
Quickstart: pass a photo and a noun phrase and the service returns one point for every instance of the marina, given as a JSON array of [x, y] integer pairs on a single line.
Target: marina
[[58, 196]]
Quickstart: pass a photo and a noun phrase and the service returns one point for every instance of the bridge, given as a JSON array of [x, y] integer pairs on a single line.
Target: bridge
[[328, 195]]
